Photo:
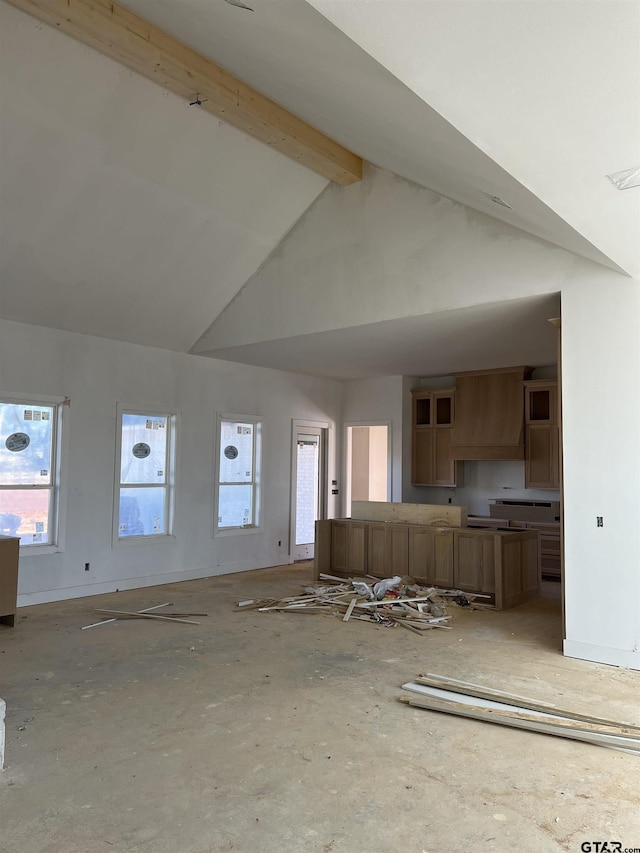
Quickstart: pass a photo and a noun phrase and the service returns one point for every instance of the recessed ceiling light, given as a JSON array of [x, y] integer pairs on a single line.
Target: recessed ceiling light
[[497, 200], [626, 179]]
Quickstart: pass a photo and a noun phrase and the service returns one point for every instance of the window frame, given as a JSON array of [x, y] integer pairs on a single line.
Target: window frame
[[256, 481], [169, 485], [57, 486]]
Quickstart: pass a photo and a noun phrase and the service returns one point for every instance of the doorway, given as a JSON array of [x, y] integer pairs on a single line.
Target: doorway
[[308, 476], [368, 463]]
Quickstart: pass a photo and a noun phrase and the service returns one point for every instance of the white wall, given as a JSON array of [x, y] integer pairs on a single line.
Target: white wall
[[371, 401], [601, 446], [96, 374]]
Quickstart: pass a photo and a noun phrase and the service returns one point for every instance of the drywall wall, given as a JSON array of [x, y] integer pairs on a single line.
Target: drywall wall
[[96, 374], [376, 401], [601, 447], [384, 249]]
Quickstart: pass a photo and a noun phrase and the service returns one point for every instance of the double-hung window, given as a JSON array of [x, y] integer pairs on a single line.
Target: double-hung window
[[145, 475], [29, 467], [238, 469]]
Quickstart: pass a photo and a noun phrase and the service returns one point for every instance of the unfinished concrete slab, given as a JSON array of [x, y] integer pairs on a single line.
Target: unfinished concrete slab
[[282, 731]]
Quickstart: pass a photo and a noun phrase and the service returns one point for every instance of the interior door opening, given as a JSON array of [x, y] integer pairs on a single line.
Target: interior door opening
[[308, 482], [367, 464]]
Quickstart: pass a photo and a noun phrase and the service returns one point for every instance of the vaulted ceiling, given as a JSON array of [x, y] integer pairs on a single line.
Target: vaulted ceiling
[[127, 213]]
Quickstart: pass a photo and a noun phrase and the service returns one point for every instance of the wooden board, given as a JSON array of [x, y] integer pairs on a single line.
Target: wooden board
[[543, 724], [521, 702], [435, 515], [137, 44]]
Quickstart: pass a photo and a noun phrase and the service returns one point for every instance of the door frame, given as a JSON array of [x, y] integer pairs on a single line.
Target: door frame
[[299, 425], [346, 460]]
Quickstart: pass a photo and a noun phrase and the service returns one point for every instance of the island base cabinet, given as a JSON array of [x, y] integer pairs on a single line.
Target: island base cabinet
[[349, 547], [388, 550], [431, 556], [474, 563], [502, 565]]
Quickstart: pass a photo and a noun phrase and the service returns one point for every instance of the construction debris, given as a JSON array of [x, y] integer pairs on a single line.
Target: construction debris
[[145, 614], [464, 699], [391, 602]]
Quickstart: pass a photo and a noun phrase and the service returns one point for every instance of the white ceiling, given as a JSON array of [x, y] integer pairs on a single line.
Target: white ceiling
[[128, 214], [124, 212], [498, 334]]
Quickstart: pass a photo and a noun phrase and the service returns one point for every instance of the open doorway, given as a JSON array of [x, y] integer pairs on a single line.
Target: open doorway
[[308, 486], [368, 463]]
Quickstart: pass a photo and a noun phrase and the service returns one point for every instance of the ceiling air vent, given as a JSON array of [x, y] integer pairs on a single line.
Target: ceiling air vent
[[626, 179], [497, 200]]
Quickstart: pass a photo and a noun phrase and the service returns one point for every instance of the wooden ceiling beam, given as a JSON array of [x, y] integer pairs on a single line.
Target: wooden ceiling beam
[[139, 45]]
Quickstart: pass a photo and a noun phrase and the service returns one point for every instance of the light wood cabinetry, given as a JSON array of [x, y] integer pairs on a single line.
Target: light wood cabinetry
[[388, 546], [474, 563], [431, 555], [349, 547], [432, 422], [502, 564], [542, 435], [9, 555], [489, 422]]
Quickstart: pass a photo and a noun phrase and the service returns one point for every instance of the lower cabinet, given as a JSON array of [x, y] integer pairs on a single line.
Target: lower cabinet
[[388, 550], [501, 564], [431, 555], [474, 562], [349, 547]]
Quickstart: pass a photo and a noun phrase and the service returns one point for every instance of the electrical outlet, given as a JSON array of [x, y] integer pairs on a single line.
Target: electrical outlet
[[279, 543], [599, 521], [87, 566], [450, 500]]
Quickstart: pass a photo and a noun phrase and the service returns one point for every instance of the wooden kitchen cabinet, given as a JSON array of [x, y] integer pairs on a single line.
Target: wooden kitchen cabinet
[[501, 564], [388, 549], [474, 564], [431, 555], [432, 422], [349, 547], [542, 435], [9, 556], [498, 563]]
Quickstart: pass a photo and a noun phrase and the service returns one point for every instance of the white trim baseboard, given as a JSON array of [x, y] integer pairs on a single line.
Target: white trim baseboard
[[26, 599], [602, 654]]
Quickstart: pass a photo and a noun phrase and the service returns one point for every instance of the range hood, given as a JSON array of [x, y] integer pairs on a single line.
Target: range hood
[[489, 415]]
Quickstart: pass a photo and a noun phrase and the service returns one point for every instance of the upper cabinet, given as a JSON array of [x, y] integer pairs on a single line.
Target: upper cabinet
[[432, 422], [542, 439]]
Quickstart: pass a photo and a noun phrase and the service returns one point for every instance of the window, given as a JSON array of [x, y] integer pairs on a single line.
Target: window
[[238, 498], [29, 464], [144, 494]]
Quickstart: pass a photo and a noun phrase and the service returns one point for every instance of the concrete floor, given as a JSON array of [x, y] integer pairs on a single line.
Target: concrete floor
[[281, 733]]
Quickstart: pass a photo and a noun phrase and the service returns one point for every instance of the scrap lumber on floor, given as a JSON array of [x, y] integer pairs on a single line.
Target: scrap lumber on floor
[[413, 607], [449, 696]]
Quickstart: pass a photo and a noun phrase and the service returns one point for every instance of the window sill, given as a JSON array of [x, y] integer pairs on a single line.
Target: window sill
[[236, 531], [39, 550], [161, 539]]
